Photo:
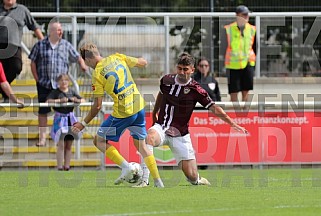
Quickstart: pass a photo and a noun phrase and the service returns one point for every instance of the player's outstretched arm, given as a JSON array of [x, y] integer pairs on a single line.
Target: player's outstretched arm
[[95, 108], [141, 62], [219, 112]]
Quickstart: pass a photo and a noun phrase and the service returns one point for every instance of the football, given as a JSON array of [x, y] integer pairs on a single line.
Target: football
[[135, 173]]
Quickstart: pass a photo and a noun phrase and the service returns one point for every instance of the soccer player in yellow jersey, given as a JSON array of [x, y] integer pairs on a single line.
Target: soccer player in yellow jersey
[[112, 75]]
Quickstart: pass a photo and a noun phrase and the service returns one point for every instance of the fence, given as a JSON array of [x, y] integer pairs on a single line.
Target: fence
[[159, 26], [168, 6], [279, 133], [287, 42]]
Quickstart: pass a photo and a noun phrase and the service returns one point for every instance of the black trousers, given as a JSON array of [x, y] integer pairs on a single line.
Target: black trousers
[[12, 66]]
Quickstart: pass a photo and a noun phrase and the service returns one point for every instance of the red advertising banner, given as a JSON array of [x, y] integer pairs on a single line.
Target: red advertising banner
[[274, 137]]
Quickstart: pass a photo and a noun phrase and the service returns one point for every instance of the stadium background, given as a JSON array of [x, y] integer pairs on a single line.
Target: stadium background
[[272, 66], [34, 189], [281, 79]]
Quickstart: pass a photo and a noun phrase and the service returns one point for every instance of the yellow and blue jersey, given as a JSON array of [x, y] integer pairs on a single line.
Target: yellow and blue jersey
[[113, 76]]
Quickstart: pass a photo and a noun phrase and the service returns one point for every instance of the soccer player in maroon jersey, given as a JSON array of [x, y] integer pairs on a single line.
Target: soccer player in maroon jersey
[[174, 106]]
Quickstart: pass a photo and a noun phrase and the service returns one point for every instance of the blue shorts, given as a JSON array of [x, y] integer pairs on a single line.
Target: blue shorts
[[112, 128]]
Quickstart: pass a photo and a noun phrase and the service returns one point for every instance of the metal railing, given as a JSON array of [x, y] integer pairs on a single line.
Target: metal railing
[[260, 107], [167, 51], [251, 105], [262, 27], [76, 88]]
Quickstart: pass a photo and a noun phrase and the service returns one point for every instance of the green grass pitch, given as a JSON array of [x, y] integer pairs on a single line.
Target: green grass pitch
[[92, 193]]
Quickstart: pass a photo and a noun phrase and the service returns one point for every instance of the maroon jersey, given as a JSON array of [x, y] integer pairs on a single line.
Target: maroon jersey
[[178, 103]]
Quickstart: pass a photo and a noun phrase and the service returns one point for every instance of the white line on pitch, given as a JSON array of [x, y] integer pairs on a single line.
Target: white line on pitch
[[207, 210]]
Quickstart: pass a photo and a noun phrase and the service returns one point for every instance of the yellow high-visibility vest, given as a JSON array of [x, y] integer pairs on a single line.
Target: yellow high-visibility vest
[[239, 48]]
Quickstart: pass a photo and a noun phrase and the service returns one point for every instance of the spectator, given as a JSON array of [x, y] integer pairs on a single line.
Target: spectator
[[5, 86], [64, 118], [14, 18], [112, 75], [50, 58], [239, 44], [206, 80], [172, 111]]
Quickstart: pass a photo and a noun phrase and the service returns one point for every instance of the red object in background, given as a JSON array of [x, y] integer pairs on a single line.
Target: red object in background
[[2, 74], [274, 137]]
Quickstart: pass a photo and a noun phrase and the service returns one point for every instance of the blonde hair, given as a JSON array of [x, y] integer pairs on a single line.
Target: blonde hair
[[89, 50], [61, 76]]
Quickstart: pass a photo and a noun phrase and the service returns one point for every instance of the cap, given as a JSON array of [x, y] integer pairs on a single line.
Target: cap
[[242, 9]]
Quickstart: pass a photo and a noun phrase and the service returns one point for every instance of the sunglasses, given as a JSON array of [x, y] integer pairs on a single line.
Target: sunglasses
[[203, 65]]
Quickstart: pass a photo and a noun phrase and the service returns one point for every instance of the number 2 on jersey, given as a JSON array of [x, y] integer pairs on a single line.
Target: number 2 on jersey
[[118, 89]]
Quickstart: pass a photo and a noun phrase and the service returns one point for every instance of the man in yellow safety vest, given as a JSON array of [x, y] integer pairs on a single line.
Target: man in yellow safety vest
[[240, 54]]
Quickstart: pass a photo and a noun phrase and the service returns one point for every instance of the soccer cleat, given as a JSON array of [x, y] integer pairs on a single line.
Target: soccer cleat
[[158, 183], [203, 181], [141, 184], [121, 178]]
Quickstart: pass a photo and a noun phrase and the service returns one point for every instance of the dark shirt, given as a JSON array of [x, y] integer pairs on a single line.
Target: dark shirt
[[57, 94], [210, 84], [11, 29], [178, 103]]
